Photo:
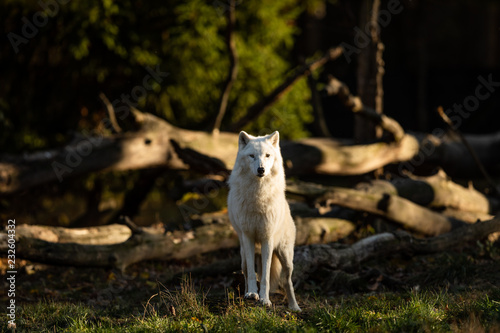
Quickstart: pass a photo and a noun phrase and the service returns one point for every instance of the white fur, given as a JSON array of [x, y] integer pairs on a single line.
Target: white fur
[[260, 214]]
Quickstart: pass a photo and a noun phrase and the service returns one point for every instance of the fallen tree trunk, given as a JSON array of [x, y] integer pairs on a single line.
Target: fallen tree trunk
[[150, 245], [437, 191], [308, 258], [392, 207], [328, 157], [453, 157], [469, 156], [107, 234], [151, 146], [37, 244], [145, 148]]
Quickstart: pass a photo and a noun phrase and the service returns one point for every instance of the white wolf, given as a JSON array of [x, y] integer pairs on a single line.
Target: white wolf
[[260, 214]]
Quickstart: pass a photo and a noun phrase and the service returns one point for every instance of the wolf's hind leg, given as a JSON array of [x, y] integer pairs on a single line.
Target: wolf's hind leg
[[285, 255]]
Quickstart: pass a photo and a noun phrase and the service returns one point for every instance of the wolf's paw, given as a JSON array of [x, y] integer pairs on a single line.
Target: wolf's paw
[[294, 307], [265, 302], [253, 296]]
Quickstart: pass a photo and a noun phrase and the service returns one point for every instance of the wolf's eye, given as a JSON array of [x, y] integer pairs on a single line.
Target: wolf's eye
[[267, 155], [252, 156]]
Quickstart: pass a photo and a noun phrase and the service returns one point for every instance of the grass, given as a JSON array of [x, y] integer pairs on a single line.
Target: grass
[[191, 310], [446, 292]]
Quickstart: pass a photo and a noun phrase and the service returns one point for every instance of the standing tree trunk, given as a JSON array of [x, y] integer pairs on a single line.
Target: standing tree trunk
[[233, 66], [370, 72]]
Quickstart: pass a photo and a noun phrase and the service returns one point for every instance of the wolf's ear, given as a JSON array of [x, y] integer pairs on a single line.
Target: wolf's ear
[[274, 138], [243, 140]]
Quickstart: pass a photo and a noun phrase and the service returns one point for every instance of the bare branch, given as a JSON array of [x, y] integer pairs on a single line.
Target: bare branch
[[233, 67], [111, 113], [354, 103], [319, 115], [471, 150], [258, 108]]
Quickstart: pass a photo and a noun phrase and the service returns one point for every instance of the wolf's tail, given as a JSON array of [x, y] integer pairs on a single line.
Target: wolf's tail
[[276, 282]]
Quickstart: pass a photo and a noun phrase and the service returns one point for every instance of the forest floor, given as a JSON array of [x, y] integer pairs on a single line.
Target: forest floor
[[453, 291]]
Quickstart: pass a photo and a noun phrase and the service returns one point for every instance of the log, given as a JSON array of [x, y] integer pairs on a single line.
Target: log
[[326, 156], [437, 148], [151, 146], [453, 157], [308, 258], [470, 149], [108, 234], [151, 245], [392, 207], [145, 148], [467, 217], [92, 247], [437, 191]]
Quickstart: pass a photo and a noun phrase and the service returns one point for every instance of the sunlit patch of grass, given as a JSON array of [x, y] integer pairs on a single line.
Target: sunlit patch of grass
[[50, 316], [193, 314], [186, 309], [413, 312]]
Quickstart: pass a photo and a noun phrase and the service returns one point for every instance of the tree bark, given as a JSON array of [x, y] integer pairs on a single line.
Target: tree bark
[[154, 244], [453, 157], [308, 258], [370, 71], [108, 246], [391, 207], [151, 146], [108, 234], [437, 192]]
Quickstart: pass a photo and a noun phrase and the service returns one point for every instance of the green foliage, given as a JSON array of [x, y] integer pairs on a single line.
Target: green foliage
[[51, 85], [388, 312]]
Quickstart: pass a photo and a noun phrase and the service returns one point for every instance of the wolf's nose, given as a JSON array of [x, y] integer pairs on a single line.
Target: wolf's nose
[[261, 171]]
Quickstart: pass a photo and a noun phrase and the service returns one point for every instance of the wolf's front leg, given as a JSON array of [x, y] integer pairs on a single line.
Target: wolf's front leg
[[248, 253], [244, 265], [267, 252]]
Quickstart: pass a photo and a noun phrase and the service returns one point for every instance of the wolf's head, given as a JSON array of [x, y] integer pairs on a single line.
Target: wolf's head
[[259, 153]]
